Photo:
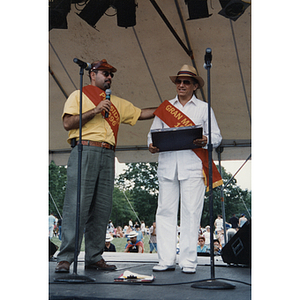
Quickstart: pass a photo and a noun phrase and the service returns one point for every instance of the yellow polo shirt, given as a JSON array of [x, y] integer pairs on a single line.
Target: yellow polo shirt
[[98, 129]]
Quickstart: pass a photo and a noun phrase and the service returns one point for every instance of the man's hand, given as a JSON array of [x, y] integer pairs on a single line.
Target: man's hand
[[201, 142], [103, 105], [153, 149]]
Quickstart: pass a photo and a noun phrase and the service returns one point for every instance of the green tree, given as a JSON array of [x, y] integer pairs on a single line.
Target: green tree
[[141, 182], [121, 210], [57, 187], [236, 200], [140, 185], [139, 175]]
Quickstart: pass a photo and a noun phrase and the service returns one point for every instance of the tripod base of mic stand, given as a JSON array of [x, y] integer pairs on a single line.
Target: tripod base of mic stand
[[74, 278], [213, 284]]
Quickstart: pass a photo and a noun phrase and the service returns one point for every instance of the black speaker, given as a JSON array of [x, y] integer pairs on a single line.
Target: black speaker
[[238, 249]]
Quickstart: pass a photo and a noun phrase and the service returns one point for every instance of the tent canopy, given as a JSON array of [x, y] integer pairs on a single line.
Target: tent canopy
[[145, 56]]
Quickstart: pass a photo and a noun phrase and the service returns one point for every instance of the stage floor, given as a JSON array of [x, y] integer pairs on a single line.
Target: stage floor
[[166, 285]]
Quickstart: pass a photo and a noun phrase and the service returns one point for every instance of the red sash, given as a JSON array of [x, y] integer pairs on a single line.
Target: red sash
[[96, 95], [174, 117]]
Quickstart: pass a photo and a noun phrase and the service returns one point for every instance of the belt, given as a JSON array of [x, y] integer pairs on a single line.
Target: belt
[[98, 144]]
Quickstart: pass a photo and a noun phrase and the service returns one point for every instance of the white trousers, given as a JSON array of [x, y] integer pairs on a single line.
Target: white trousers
[[191, 193]]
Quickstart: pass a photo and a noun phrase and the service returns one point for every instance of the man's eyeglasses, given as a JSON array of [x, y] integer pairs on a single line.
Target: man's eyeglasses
[[185, 82], [106, 74]]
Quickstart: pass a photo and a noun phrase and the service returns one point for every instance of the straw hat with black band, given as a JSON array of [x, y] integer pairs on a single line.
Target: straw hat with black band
[[132, 234], [188, 71]]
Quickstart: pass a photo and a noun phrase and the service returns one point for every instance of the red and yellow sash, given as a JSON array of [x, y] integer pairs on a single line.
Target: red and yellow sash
[[173, 117], [96, 95]]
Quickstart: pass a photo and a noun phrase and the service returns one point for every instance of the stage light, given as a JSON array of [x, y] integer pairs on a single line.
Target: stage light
[[94, 10], [198, 9], [233, 9], [126, 13], [58, 10]]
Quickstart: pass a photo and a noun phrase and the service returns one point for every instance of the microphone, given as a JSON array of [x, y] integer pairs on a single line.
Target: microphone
[[107, 92], [208, 56], [82, 64]]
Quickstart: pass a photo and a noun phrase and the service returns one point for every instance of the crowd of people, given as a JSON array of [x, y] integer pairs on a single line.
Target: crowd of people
[[135, 233], [232, 227]]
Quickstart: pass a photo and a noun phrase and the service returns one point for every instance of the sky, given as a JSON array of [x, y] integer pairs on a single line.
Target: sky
[[243, 177]]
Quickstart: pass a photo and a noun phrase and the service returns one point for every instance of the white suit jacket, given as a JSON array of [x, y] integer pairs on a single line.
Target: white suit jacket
[[186, 162]]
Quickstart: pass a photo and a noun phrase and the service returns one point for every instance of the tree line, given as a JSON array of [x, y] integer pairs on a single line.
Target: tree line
[[136, 191]]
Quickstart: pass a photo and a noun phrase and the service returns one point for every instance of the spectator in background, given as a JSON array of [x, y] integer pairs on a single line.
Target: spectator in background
[[234, 221], [143, 227], [206, 235], [201, 247], [230, 233], [200, 231], [109, 247], [130, 223], [119, 232], [110, 227], [217, 247], [133, 244], [152, 241], [128, 231], [147, 230], [138, 230], [55, 230], [52, 222], [220, 237], [218, 224], [242, 220]]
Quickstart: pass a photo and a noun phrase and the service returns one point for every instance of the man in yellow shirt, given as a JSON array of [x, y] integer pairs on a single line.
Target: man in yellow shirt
[[99, 138]]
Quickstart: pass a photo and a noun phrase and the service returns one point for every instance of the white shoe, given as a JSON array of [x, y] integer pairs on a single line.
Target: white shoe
[[189, 270], [161, 268]]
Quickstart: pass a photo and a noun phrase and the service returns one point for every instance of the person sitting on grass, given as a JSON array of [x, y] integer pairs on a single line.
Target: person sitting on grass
[[133, 244], [109, 247]]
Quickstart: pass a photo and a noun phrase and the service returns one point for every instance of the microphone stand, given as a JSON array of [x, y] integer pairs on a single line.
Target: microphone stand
[[75, 278], [211, 283]]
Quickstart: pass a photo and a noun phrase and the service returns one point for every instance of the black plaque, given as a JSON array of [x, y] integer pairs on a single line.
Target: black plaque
[[176, 138]]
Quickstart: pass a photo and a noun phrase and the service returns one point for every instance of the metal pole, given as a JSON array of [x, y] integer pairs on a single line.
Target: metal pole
[[219, 151], [75, 278], [211, 200], [211, 283], [81, 72]]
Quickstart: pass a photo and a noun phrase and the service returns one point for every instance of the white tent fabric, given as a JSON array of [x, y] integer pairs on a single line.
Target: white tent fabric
[[145, 56]]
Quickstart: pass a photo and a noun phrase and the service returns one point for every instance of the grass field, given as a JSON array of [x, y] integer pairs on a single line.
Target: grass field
[[118, 242]]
